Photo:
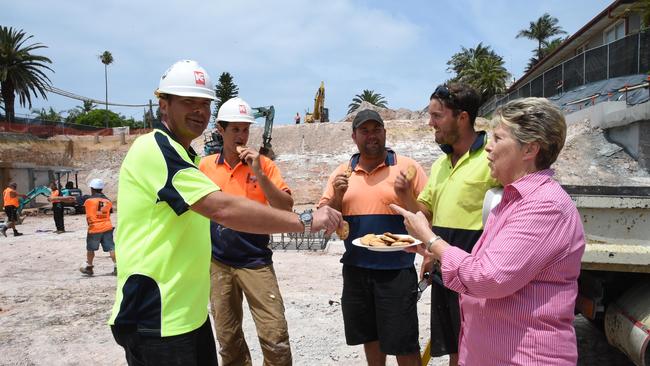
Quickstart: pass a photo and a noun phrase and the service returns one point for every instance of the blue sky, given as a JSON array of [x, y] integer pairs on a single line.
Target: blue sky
[[278, 51]]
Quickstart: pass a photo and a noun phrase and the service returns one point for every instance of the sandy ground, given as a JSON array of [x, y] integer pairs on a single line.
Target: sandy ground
[[50, 314]]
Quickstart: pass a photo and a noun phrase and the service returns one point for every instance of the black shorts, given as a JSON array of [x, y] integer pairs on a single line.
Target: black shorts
[[445, 321], [381, 305], [12, 213], [196, 348]]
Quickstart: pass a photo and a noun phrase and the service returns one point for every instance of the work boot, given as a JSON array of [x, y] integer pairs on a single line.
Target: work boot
[[87, 270], [17, 234], [4, 231], [114, 273]]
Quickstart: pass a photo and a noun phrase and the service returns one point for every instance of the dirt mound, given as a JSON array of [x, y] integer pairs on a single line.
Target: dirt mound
[[308, 153]]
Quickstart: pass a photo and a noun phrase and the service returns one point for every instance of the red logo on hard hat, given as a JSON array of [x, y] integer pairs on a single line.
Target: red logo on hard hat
[[199, 78], [242, 109]]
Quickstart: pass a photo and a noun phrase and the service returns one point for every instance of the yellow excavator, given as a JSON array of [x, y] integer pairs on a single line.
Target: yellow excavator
[[320, 114]]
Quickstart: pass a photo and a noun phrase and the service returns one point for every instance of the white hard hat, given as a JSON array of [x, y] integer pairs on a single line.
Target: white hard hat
[[97, 183], [235, 110], [491, 200], [186, 78]]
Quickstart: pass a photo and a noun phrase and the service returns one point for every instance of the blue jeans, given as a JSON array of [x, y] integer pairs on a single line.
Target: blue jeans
[[196, 348]]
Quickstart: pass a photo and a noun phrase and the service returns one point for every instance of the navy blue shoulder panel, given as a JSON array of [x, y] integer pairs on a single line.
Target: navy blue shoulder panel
[[391, 158], [174, 163], [141, 305]]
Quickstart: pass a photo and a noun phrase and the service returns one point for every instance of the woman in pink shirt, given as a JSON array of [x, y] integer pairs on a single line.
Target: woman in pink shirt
[[518, 286]]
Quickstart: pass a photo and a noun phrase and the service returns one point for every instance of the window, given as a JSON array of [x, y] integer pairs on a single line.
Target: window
[[615, 32], [583, 48]]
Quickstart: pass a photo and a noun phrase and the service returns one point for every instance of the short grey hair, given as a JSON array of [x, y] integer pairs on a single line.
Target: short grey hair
[[535, 120]]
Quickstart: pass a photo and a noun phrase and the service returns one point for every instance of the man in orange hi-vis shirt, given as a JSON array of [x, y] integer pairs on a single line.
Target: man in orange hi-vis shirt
[[11, 203], [100, 227]]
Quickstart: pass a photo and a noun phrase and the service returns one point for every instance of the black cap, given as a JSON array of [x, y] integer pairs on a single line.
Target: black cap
[[365, 116]]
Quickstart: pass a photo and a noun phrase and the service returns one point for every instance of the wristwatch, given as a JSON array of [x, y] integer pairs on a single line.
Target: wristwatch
[[306, 219], [431, 241]]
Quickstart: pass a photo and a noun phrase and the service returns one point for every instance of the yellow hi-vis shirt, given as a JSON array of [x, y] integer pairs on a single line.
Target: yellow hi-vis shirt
[[162, 248], [454, 194]]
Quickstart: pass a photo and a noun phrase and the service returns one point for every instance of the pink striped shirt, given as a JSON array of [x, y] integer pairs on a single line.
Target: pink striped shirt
[[518, 287]]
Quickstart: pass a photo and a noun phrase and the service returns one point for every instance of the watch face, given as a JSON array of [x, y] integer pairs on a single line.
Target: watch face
[[305, 216]]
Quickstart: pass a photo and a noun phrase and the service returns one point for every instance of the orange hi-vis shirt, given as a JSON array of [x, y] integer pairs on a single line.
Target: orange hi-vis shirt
[[8, 200], [231, 247], [240, 179], [366, 208], [98, 214]]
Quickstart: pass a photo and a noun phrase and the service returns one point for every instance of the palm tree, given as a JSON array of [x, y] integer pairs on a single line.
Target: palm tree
[[541, 30], [485, 74], [546, 50], [461, 59], [21, 72], [106, 58], [369, 96], [480, 67]]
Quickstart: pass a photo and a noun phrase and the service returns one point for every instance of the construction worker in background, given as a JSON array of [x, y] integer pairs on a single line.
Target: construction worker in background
[[11, 202], [379, 289], [160, 314], [297, 118], [453, 199], [241, 261], [57, 208], [100, 228]]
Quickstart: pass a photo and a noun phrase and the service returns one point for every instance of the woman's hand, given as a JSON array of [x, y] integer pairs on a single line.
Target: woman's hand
[[416, 224]]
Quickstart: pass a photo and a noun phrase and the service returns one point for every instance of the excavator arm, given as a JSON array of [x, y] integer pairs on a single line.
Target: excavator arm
[[214, 141], [40, 190], [320, 113], [268, 113]]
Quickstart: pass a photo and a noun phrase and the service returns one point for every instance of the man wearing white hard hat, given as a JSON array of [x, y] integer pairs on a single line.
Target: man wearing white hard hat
[[160, 315], [241, 261], [100, 228]]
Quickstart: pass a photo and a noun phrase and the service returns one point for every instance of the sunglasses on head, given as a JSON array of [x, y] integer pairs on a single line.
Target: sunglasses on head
[[443, 93]]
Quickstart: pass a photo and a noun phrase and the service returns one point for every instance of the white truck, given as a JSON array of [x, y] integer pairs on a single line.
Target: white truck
[[614, 283]]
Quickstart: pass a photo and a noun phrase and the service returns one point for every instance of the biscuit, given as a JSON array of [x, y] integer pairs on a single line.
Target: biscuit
[[392, 236], [348, 172], [372, 240], [344, 231], [411, 172], [387, 239]]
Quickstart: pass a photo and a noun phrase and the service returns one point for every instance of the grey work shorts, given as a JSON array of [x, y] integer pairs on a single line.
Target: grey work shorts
[[105, 239]]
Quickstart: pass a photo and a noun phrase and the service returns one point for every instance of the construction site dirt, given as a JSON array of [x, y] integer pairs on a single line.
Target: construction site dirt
[[51, 314]]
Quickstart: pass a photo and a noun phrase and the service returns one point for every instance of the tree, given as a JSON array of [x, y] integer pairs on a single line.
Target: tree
[[47, 115], [487, 75], [546, 50], [369, 96], [480, 67], [78, 111], [460, 60], [21, 71], [98, 118], [106, 58], [541, 30], [225, 89]]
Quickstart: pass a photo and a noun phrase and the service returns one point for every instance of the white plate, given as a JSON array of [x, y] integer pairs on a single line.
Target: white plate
[[357, 242]]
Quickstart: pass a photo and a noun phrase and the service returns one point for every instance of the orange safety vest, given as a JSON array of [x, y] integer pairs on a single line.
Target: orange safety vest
[[98, 214], [8, 200]]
